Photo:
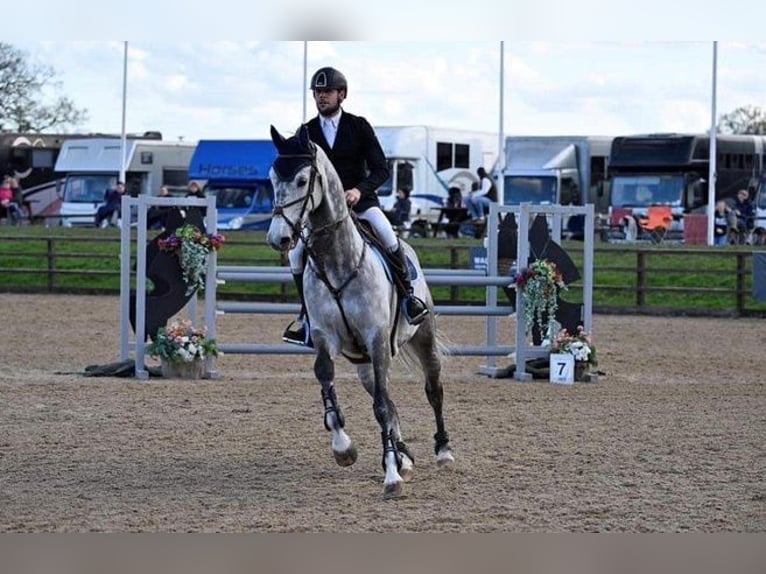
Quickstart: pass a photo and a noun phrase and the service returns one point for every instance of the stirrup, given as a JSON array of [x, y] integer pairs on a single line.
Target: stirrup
[[418, 317], [298, 335]]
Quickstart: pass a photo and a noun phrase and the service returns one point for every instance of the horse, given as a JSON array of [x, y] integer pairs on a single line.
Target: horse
[[352, 304]]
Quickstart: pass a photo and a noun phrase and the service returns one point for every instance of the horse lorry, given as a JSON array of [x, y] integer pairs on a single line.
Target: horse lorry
[[428, 161], [237, 173], [555, 170], [91, 166], [673, 169]]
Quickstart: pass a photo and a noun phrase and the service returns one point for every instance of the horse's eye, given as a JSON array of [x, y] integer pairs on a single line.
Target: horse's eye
[[301, 181]]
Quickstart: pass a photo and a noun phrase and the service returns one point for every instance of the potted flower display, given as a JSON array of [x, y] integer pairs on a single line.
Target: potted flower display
[[540, 285], [192, 246], [182, 349], [580, 346]]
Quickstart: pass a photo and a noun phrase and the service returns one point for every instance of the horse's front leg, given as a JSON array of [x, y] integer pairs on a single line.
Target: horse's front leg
[[342, 447]]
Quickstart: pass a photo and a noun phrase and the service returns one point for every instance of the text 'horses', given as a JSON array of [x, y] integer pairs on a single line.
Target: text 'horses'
[[352, 303]]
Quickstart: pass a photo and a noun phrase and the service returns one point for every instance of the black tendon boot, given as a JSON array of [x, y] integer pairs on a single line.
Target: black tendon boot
[[415, 310], [298, 332]]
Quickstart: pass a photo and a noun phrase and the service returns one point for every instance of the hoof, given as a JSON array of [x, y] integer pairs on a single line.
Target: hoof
[[407, 471], [346, 458], [445, 459], [393, 490]]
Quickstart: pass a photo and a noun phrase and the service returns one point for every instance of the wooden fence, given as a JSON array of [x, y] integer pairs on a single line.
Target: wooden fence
[[629, 279]]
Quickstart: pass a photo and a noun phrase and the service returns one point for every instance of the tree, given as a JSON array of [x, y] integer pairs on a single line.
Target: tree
[[743, 120], [21, 90]]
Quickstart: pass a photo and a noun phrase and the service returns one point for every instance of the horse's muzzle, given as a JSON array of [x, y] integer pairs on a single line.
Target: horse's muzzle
[[284, 244]]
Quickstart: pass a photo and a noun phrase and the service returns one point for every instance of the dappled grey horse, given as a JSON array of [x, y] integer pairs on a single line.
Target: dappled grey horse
[[352, 303]]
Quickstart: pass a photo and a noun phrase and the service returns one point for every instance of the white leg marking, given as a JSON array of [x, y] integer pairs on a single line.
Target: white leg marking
[[340, 441]]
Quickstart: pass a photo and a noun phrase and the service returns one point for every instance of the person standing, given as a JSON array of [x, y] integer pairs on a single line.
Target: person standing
[[743, 216], [357, 156]]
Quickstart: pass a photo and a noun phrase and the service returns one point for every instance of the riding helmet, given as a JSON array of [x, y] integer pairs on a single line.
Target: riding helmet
[[328, 79]]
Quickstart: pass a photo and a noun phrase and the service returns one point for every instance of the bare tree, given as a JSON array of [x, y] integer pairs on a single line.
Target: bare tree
[[21, 93], [744, 120]]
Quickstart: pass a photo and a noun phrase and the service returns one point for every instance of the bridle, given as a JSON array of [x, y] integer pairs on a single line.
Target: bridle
[[297, 227]]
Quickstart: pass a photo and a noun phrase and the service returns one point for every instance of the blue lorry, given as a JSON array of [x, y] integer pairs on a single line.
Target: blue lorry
[[237, 173]]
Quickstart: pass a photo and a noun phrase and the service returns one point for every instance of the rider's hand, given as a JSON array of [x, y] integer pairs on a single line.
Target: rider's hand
[[352, 196]]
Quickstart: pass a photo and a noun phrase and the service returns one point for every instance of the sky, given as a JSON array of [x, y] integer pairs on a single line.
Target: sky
[[564, 71]]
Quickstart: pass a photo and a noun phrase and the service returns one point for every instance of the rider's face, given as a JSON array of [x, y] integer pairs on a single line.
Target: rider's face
[[328, 101]]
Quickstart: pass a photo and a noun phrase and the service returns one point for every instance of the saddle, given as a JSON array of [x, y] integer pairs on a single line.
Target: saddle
[[372, 239], [389, 264]]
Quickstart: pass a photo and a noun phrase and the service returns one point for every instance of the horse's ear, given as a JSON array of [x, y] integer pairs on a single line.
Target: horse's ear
[[277, 138], [303, 137]]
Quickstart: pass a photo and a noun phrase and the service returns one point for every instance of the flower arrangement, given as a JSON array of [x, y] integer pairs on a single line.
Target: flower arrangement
[[182, 342], [580, 345], [540, 284], [191, 246]]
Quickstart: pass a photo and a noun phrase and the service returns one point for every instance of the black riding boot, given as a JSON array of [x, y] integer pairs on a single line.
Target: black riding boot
[[298, 332], [415, 310]]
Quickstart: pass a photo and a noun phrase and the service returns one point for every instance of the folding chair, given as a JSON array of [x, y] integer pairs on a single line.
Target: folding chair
[[657, 222]]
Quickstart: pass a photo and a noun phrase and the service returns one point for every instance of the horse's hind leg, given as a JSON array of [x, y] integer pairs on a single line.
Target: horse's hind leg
[[424, 345], [343, 448], [407, 460]]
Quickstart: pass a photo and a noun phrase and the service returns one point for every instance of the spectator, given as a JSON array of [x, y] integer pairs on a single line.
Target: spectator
[[156, 215], [479, 200], [455, 196], [721, 223], [401, 211], [195, 190], [8, 204], [18, 197], [742, 216], [109, 213]]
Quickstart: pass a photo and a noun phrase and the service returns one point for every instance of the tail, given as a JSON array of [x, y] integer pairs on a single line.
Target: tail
[[428, 343]]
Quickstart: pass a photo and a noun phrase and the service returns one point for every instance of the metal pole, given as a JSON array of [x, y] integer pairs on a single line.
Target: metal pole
[[123, 142], [305, 71], [501, 136], [712, 174]]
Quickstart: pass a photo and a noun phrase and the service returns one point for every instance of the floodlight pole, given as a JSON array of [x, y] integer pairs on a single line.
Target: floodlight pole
[[123, 140], [712, 173]]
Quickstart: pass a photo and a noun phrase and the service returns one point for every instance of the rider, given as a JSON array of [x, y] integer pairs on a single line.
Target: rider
[[355, 152]]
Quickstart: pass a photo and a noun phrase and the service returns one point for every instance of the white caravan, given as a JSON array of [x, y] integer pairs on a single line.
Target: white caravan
[[429, 161], [91, 166]]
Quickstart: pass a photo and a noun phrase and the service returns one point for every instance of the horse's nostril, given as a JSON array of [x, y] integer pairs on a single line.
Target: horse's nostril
[[284, 243]]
